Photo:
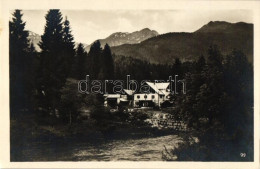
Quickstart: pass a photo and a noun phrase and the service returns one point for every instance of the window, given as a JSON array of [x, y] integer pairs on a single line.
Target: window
[[153, 96], [161, 96], [138, 97], [145, 96]]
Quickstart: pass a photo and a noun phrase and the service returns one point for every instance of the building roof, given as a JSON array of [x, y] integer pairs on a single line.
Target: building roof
[[129, 92], [159, 88], [162, 85]]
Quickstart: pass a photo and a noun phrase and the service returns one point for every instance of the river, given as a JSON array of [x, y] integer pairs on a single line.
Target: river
[[144, 149]]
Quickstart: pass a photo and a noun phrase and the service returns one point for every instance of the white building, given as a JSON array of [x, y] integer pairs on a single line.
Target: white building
[[158, 93], [113, 100]]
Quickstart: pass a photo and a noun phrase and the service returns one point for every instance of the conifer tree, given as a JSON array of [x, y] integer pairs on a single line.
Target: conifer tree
[[81, 56], [52, 74], [239, 88], [107, 64], [188, 102], [210, 97], [94, 57], [19, 63], [69, 45]]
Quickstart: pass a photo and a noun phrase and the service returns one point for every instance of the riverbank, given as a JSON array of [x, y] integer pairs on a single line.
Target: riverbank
[[138, 149], [30, 141]]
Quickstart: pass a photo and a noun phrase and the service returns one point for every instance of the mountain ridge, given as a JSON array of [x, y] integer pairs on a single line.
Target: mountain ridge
[[217, 26], [187, 46], [120, 38], [164, 48]]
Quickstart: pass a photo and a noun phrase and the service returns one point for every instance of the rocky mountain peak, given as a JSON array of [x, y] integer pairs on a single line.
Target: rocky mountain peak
[[120, 38]]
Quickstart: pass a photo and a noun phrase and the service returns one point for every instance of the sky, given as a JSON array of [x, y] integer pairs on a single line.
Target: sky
[[90, 25]]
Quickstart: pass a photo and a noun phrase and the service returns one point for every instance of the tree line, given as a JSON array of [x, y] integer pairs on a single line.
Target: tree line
[[219, 107], [36, 78]]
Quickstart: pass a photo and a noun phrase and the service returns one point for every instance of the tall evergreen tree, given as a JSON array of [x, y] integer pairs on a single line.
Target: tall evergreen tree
[[187, 103], [52, 74], [69, 45], [107, 63], [94, 57], [210, 97], [19, 63], [239, 88], [81, 56]]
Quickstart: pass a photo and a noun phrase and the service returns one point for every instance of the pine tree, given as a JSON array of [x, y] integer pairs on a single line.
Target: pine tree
[[239, 88], [194, 80], [210, 98], [94, 57], [107, 63], [19, 64], [52, 74], [69, 45], [81, 57]]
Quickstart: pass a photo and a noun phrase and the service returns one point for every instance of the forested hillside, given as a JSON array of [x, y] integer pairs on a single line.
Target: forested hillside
[[189, 46]]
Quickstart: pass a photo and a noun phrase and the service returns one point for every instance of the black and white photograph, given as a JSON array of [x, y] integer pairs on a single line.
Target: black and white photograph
[[131, 85]]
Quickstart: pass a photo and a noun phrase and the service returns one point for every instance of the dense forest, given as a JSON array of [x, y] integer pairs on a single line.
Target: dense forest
[[218, 105]]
